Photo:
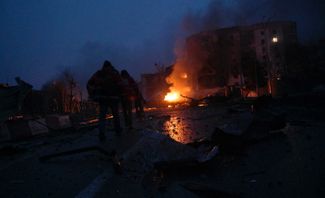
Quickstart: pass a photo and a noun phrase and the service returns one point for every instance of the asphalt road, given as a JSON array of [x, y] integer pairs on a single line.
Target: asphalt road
[[284, 167]]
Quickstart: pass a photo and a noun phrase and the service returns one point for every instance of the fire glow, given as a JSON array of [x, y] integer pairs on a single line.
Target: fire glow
[[179, 80], [172, 97], [184, 75]]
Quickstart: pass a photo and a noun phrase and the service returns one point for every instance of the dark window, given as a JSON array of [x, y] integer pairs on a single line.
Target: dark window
[[277, 55], [263, 50], [264, 58], [274, 31], [262, 32], [262, 41]]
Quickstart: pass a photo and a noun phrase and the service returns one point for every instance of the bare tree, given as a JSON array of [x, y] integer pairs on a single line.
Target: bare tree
[[71, 85], [63, 93]]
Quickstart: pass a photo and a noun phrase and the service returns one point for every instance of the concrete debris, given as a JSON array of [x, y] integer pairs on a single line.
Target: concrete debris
[[57, 122], [156, 150]]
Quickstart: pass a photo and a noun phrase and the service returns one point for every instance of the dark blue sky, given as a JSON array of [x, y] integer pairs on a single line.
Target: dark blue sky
[[40, 38]]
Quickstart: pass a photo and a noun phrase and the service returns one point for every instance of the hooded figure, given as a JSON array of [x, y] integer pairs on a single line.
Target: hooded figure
[[104, 83], [129, 94], [104, 87]]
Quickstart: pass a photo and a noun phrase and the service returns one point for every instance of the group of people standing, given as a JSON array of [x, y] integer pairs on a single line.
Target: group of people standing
[[109, 88]]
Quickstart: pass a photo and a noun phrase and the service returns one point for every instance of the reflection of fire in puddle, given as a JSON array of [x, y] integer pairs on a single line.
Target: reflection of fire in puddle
[[185, 125], [150, 108], [181, 130], [175, 128]]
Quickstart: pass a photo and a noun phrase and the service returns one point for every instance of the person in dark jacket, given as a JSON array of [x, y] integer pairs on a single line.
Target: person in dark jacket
[[104, 87], [128, 96], [138, 105]]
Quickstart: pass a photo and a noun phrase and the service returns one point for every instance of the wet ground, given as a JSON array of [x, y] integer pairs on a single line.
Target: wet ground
[[284, 166], [186, 125]]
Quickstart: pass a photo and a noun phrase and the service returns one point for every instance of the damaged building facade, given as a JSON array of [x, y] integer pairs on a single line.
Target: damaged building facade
[[247, 61], [250, 59], [154, 85]]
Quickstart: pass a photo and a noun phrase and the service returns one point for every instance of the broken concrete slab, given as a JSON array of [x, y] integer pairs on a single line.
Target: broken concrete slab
[[57, 122], [157, 150], [38, 126], [21, 129]]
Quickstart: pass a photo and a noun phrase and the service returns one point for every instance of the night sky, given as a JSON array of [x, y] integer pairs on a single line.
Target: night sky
[[41, 38]]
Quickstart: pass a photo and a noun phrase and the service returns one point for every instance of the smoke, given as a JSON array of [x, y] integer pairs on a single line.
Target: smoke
[[169, 48], [136, 59], [227, 13], [309, 15]]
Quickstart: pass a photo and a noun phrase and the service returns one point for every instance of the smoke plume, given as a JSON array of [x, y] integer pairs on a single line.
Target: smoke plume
[[222, 13]]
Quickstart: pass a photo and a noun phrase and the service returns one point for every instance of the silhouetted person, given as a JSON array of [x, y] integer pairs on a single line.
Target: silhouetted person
[[138, 104], [104, 87], [128, 96]]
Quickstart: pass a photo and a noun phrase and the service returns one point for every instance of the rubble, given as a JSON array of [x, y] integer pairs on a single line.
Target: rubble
[[155, 150], [20, 129], [163, 167], [57, 122]]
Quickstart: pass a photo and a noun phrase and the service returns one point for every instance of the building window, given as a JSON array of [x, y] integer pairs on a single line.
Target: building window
[[262, 32], [275, 39], [262, 41], [274, 32], [263, 50]]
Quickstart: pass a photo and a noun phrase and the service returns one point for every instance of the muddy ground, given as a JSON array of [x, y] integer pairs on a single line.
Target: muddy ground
[[288, 164]]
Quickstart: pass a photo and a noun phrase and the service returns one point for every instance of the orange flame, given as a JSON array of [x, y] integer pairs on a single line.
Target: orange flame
[[184, 75], [172, 96]]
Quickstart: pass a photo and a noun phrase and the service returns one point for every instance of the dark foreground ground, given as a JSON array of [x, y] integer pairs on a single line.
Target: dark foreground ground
[[287, 165]]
